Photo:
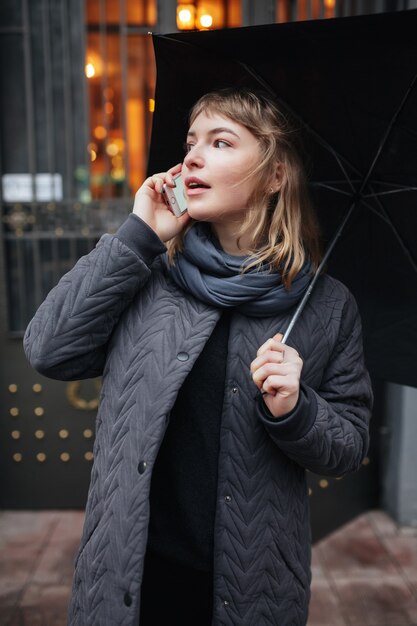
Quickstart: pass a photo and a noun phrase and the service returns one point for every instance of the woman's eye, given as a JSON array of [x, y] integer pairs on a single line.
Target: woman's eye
[[220, 143], [187, 147]]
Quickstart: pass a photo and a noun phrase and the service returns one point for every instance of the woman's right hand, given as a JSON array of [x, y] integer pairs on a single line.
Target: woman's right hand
[[150, 206]]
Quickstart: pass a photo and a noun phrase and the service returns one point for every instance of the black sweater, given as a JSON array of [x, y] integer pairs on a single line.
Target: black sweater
[[184, 480]]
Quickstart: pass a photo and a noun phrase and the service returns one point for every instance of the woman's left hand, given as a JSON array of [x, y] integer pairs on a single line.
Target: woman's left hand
[[276, 372]]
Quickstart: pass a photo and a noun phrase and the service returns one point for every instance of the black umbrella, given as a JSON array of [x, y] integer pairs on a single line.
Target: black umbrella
[[350, 85]]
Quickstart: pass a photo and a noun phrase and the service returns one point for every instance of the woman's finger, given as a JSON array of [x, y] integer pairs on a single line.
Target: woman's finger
[[271, 356], [275, 384], [269, 369], [173, 171], [158, 181], [271, 344]]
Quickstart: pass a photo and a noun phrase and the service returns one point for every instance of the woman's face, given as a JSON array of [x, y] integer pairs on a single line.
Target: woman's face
[[220, 154]]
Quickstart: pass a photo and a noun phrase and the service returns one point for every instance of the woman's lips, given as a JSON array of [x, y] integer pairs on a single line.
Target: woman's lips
[[193, 181], [195, 186], [196, 191]]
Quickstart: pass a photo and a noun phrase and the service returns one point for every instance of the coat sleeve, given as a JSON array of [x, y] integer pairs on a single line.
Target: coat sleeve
[[68, 335], [328, 431]]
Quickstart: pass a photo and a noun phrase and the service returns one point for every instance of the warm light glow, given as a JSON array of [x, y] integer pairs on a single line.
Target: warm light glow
[[118, 174], [90, 70], [185, 17], [108, 108], [93, 155], [136, 145], [112, 149], [93, 64], [210, 14], [118, 141], [329, 8], [206, 20], [100, 132], [151, 105], [117, 162]]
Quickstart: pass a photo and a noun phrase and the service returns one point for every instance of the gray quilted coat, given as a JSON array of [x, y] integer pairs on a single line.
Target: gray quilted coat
[[117, 314]]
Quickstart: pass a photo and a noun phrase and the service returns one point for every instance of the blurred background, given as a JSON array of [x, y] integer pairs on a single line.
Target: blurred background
[[76, 106]]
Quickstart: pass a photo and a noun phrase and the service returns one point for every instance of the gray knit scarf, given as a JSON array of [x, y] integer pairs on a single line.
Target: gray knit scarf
[[213, 276]]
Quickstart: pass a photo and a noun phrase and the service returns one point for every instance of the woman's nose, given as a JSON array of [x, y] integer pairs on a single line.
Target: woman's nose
[[193, 158]]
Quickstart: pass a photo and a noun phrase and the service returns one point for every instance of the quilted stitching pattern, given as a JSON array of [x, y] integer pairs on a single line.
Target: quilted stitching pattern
[[264, 578], [72, 326], [113, 315]]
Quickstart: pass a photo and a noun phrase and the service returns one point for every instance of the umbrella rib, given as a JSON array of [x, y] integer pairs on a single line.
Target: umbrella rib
[[331, 188], [385, 217], [309, 290], [389, 184], [352, 207], [339, 158], [375, 211], [400, 240], [377, 194], [374, 194], [387, 133]]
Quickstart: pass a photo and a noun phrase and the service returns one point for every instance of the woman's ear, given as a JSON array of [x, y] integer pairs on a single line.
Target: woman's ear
[[277, 180]]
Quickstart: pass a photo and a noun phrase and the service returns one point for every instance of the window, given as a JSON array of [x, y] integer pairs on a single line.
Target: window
[[121, 79]]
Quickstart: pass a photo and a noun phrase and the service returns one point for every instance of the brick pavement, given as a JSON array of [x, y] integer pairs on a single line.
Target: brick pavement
[[364, 574]]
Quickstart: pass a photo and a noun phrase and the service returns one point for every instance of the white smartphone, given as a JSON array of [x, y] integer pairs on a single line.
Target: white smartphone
[[175, 196]]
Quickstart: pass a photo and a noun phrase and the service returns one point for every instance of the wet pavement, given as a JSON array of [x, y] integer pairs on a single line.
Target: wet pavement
[[364, 574]]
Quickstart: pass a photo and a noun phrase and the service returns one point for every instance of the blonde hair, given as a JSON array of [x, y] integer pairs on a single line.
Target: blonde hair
[[283, 226]]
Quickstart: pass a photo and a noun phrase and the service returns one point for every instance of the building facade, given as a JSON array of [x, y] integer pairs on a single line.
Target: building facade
[[77, 96]]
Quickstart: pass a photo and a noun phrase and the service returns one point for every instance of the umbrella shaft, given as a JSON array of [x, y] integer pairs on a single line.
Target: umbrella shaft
[[319, 270]]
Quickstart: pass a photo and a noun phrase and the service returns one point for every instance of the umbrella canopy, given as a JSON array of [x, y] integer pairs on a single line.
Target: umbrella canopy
[[350, 85]]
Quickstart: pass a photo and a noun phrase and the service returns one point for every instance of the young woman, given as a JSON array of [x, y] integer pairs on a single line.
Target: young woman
[[198, 508]]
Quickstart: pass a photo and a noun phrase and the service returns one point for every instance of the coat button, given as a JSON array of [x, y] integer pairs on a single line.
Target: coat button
[[142, 467], [234, 389], [183, 356], [226, 602], [227, 498], [127, 599]]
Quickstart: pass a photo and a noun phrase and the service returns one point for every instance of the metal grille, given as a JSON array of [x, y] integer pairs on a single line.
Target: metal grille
[[42, 242], [54, 200]]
